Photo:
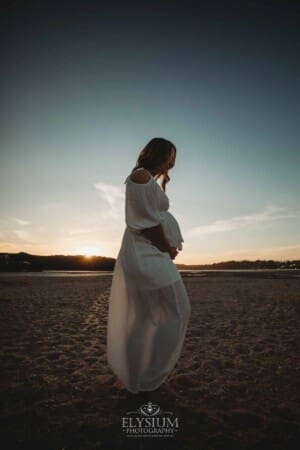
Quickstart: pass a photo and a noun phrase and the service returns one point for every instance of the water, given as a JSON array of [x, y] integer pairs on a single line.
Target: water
[[94, 273], [59, 273], [237, 270]]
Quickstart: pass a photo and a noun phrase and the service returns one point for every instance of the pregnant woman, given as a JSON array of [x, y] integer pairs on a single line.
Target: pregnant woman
[[149, 307]]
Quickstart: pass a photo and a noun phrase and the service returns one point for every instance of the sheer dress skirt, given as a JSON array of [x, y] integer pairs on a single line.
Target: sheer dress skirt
[[147, 322]]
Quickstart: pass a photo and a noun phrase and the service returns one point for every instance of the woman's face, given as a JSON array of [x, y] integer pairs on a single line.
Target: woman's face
[[169, 163]]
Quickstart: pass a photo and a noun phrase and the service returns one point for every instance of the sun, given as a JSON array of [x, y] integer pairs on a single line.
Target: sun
[[88, 250]]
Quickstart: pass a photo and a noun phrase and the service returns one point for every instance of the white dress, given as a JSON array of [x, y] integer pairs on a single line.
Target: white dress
[[149, 307], [171, 230]]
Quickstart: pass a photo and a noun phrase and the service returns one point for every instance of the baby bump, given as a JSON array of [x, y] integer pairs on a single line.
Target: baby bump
[[146, 265]]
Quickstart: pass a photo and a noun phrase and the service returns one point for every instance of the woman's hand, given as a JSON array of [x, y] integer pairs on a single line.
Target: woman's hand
[[157, 238], [165, 180], [173, 252]]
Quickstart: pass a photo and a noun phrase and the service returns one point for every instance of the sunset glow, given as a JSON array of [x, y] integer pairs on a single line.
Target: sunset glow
[[88, 251], [84, 93]]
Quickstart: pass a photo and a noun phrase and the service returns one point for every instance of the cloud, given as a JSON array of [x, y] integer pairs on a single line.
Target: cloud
[[20, 221], [16, 237], [270, 213], [112, 195], [24, 235]]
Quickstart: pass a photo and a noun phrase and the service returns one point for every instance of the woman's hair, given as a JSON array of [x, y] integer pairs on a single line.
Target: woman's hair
[[155, 153]]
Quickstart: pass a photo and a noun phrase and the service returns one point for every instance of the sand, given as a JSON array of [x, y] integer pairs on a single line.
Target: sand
[[234, 386]]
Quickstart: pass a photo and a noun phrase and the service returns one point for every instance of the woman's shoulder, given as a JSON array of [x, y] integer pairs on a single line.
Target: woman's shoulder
[[140, 176]]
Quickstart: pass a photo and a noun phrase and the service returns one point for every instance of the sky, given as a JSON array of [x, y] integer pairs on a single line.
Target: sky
[[84, 87]]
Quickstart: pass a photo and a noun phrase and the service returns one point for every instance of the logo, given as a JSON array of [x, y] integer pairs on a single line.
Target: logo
[[150, 421]]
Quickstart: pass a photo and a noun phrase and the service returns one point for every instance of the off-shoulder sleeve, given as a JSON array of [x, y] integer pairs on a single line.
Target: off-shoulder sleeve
[[141, 206]]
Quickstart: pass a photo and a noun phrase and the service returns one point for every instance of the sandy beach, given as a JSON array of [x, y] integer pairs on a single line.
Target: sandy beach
[[234, 386]]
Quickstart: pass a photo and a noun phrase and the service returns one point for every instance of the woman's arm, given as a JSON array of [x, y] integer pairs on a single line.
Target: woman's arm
[[157, 237]]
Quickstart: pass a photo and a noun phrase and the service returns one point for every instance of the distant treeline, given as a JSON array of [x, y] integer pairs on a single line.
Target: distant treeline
[[24, 262], [21, 262], [245, 264]]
